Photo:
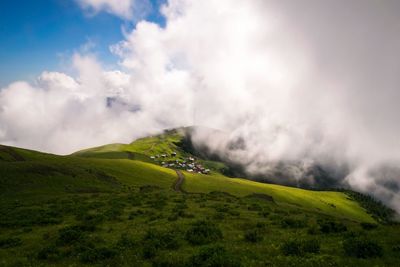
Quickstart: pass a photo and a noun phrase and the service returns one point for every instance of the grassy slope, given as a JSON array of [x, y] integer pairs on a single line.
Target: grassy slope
[[144, 147], [52, 174], [332, 203], [40, 173], [43, 194]]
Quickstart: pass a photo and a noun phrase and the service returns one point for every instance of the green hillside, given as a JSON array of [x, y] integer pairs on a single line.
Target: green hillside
[[116, 206], [39, 173], [141, 149], [332, 203]]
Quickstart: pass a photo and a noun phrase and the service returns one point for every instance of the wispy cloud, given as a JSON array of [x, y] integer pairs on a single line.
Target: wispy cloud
[[125, 9]]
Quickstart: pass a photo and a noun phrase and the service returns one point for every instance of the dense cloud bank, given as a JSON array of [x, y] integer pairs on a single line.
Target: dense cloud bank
[[309, 81]]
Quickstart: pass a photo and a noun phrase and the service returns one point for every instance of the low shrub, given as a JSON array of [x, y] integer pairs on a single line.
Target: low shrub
[[50, 252], [27, 217], [126, 241], [368, 226], [162, 239], [234, 213], [253, 235], [396, 248], [264, 213], [173, 217], [293, 223], [328, 227], [254, 207], [69, 235], [311, 246], [92, 219], [216, 256], [300, 247], [149, 251], [222, 208], [261, 225], [10, 242], [313, 230], [203, 232], [113, 214], [291, 248], [97, 254], [359, 247], [158, 204], [219, 216], [169, 261], [135, 214]]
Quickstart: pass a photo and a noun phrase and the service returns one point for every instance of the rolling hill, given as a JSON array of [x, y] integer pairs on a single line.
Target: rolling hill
[[115, 205]]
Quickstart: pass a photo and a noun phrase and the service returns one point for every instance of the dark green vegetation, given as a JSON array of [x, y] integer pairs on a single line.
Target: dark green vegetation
[[116, 209], [378, 210]]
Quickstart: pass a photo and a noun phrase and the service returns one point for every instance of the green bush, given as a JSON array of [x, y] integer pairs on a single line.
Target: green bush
[[293, 223], [173, 217], [214, 256], [162, 239], [203, 232], [368, 226], [92, 219], [396, 248], [135, 214], [254, 207], [113, 214], [291, 248], [331, 227], [311, 246], [362, 248], [264, 213], [313, 230], [222, 208], [69, 235], [97, 254], [378, 210], [30, 217], [149, 251], [300, 247], [234, 213], [126, 241], [10, 242], [168, 260], [253, 235], [50, 252], [219, 216]]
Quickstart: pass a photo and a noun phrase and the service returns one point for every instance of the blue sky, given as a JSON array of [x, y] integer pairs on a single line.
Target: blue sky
[[42, 34]]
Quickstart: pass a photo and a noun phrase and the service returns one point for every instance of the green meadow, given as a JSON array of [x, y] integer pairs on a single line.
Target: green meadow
[[115, 206]]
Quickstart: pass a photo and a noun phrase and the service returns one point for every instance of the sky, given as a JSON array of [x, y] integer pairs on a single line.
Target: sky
[[315, 82], [45, 33]]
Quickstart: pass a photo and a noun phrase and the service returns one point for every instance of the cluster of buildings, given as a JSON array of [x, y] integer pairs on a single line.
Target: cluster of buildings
[[188, 164]]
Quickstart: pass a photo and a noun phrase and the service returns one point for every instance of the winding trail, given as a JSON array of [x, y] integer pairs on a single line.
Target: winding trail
[[179, 181]]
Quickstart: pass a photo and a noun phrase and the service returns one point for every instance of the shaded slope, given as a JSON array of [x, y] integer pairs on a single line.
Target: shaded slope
[[45, 174]]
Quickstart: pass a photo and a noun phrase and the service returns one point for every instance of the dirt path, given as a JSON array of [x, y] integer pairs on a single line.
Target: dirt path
[[179, 181]]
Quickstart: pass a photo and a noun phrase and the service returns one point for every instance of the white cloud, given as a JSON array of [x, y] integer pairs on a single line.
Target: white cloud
[[296, 82], [126, 9]]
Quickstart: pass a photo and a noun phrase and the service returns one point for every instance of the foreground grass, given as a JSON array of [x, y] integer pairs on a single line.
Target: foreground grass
[[152, 226], [76, 211]]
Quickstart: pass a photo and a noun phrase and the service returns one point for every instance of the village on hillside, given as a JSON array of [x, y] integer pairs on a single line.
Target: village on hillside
[[188, 164]]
